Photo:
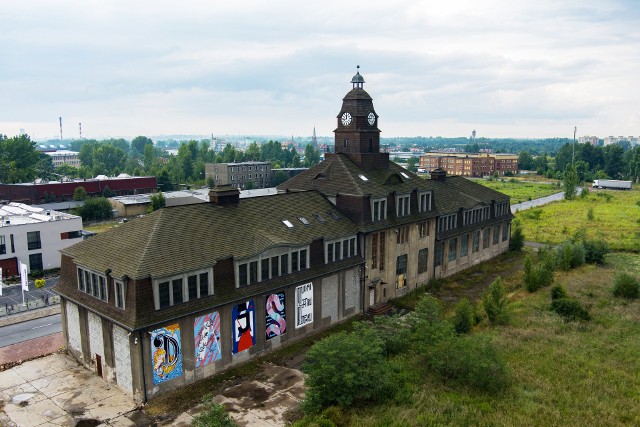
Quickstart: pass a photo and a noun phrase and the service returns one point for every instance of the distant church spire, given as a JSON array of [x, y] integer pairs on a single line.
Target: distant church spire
[[314, 140]]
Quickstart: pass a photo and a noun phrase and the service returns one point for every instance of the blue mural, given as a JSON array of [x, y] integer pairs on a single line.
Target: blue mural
[[165, 353]]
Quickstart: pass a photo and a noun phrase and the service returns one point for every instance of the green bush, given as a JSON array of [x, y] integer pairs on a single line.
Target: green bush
[[516, 243], [539, 275], [346, 368], [595, 251], [570, 254], [212, 415], [495, 303], [471, 360], [570, 309], [626, 286], [39, 283], [464, 317], [558, 292], [590, 215]]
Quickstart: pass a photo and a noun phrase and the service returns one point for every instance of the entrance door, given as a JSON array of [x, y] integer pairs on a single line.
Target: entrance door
[[372, 296], [99, 364]]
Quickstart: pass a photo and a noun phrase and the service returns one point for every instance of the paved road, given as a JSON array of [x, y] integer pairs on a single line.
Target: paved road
[[30, 329], [539, 202], [12, 296]]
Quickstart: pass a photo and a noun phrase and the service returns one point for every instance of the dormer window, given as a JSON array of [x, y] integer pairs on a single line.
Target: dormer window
[[378, 209], [402, 205]]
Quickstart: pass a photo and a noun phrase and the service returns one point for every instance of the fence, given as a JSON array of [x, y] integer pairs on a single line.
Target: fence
[[30, 304]]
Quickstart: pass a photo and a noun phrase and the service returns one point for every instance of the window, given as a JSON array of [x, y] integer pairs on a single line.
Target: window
[[3, 246], [176, 286], [304, 220], [242, 275], [402, 206], [119, 294], [423, 229], [464, 245], [74, 234], [476, 241], [402, 234], [439, 253], [505, 231], [275, 264], [192, 287], [80, 280], [253, 272], [379, 209], [423, 260], [377, 250], [453, 245], [485, 238], [102, 284], [401, 271], [33, 240], [284, 263], [175, 290], [496, 234], [335, 250], [287, 223], [94, 284], [424, 202], [35, 262], [447, 222], [502, 208], [270, 266], [264, 270], [204, 284], [164, 294]]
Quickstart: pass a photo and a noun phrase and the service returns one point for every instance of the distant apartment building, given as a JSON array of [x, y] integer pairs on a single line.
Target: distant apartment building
[[239, 175], [64, 157], [633, 140], [465, 164], [593, 140], [33, 236]]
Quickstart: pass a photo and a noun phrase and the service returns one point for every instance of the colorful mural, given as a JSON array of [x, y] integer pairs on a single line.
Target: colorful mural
[[276, 324], [206, 337], [304, 305], [244, 333], [165, 353]]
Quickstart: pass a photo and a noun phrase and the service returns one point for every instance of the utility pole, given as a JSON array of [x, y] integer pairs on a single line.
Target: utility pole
[[573, 159], [60, 119]]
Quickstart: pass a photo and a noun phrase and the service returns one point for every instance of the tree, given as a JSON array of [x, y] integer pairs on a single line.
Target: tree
[[516, 243], [525, 161], [570, 182], [346, 368], [45, 166], [253, 152], [412, 164], [164, 181], [97, 208], [107, 158], [138, 144], [106, 192], [68, 171], [495, 303], [278, 177], [86, 154], [311, 156], [18, 159], [156, 202], [79, 194]]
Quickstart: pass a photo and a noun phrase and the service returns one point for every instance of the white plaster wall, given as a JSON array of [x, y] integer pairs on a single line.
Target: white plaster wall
[[330, 297], [351, 290], [73, 327], [122, 356], [96, 343]]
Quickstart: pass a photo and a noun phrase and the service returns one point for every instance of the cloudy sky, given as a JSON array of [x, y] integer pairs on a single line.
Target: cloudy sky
[[434, 68]]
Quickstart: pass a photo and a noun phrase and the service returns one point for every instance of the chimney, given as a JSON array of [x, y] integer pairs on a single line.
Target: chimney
[[224, 195], [439, 175]]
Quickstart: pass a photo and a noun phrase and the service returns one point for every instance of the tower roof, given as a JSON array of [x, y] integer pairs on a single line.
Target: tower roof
[[357, 80]]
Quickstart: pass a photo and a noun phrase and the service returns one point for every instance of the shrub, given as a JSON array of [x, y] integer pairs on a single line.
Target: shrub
[[346, 368], [541, 274], [212, 415], [465, 316], [626, 286], [39, 283], [516, 243], [558, 292], [471, 360], [427, 326], [570, 309], [595, 251], [590, 215], [570, 254], [495, 303]]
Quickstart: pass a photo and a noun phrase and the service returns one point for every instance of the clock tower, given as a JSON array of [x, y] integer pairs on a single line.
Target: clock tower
[[357, 135]]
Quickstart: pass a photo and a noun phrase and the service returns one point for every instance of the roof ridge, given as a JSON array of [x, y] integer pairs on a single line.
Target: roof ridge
[[143, 259]]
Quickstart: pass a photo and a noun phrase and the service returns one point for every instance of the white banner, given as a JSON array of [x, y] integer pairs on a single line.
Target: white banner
[[1, 282], [304, 305], [24, 275]]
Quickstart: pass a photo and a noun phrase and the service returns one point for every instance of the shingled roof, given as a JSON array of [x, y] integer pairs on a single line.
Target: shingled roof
[[186, 238]]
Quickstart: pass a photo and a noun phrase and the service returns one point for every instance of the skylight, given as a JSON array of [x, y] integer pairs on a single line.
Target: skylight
[[287, 223], [362, 177], [333, 215], [304, 220], [320, 219], [404, 174]]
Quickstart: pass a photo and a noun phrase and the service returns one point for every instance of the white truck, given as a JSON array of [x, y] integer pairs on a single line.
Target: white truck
[[612, 184]]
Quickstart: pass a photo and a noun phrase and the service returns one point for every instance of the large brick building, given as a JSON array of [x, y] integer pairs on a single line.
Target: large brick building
[[181, 294], [473, 165], [245, 175]]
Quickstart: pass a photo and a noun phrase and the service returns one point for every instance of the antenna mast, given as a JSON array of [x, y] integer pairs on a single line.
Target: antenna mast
[[80, 127]]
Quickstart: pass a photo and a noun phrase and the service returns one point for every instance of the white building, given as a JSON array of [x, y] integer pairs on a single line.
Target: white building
[[64, 157], [34, 237]]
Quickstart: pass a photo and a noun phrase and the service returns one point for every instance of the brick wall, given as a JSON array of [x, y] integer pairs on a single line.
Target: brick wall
[[122, 356], [73, 328], [96, 343], [330, 297]]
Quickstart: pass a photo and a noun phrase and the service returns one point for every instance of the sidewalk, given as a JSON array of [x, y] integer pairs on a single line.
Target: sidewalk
[[11, 302]]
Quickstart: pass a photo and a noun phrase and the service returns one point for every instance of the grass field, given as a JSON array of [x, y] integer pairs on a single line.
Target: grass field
[[101, 227], [615, 219], [561, 373], [521, 191]]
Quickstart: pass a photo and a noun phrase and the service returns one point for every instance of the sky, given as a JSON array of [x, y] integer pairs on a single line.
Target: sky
[[533, 69]]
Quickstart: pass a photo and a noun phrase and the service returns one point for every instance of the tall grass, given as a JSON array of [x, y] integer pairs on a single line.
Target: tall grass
[[520, 191]]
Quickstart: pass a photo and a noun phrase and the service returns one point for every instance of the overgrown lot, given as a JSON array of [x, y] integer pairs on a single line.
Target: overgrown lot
[[613, 216], [560, 372], [521, 191]]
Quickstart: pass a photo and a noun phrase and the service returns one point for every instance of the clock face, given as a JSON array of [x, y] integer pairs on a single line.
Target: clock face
[[371, 118], [346, 119]]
